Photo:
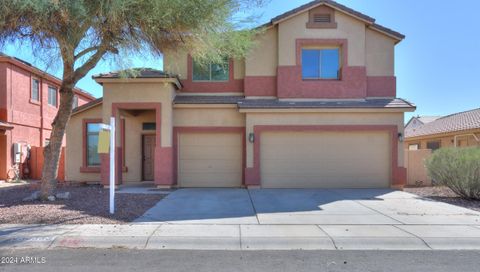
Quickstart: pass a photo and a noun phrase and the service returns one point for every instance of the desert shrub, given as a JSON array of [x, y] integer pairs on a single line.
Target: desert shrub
[[458, 169]]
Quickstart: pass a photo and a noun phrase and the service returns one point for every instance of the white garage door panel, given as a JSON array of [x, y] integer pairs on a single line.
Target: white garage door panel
[[325, 159], [210, 159]]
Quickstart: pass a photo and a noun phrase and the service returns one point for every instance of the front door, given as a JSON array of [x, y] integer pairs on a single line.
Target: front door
[[148, 156]]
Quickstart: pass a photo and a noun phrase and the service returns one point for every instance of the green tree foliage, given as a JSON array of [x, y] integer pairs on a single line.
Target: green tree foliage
[[83, 32], [458, 169]]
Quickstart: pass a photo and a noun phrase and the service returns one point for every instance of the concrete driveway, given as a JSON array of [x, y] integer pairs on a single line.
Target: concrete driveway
[[305, 207]]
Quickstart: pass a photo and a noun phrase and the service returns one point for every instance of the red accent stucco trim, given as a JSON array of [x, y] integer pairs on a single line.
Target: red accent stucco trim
[[381, 86], [177, 130], [260, 86], [398, 174], [85, 168], [352, 82], [231, 86]]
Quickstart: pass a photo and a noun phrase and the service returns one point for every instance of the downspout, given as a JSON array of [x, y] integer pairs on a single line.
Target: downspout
[[40, 95]]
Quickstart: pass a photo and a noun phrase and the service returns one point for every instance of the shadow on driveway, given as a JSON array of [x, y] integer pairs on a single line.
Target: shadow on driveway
[[269, 206]]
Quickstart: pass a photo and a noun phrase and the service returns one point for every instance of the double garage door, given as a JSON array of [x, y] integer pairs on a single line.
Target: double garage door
[[287, 159]]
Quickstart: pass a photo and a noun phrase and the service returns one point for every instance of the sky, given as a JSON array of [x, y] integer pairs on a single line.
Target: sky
[[437, 65]]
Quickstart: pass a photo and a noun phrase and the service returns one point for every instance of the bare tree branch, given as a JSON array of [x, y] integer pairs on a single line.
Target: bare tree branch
[[86, 51]]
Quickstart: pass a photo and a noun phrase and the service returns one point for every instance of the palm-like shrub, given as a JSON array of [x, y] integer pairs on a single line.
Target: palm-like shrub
[[458, 169]]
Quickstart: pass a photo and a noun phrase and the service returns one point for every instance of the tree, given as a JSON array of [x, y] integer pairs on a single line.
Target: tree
[[82, 32]]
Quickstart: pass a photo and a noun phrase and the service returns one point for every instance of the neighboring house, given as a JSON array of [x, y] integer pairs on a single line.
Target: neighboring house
[[29, 101], [313, 105], [459, 129], [418, 121]]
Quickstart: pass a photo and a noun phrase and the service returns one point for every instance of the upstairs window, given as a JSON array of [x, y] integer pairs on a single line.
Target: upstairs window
[[93, 159], [320, 63], [52, 96], [35, 95], [211, 72]]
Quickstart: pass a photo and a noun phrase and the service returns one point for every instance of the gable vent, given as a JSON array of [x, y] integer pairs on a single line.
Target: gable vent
[[321, 18]]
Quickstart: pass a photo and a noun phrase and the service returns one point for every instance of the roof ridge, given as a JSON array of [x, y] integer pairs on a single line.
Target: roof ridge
[[457, 113]]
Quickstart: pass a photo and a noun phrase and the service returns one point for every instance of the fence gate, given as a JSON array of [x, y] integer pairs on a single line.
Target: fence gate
[[416, 170]]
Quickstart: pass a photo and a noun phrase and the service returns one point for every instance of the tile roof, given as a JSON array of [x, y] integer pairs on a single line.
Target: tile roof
[[455, 122], [87, 105], [340, 7], [207, 99], [244, 103], [282, 104], [136, 73]]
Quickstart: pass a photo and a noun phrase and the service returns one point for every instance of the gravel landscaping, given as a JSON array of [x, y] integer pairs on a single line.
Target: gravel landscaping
[[444, 194], [87, 205]]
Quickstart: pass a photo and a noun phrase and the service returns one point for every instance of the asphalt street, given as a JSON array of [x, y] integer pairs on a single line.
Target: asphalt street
[[211, 261]]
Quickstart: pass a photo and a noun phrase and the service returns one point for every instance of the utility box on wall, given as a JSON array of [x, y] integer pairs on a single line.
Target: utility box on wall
[[17, 152]]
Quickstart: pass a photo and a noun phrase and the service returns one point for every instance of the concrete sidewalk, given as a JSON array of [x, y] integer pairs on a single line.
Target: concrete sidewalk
[[243, 237]]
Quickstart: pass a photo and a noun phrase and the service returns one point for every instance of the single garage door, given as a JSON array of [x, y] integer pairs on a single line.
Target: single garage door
[[210, 159], [325, 159]]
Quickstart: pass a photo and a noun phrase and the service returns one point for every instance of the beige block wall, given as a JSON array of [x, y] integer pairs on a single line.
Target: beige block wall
[[380, 50], [74, 149], [327, 118], [133, 144], [141, 93], [263, 58], [347, 28], [209, 117], [446, 140]]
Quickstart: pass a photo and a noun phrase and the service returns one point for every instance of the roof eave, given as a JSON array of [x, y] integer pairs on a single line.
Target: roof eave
[[174, 80]]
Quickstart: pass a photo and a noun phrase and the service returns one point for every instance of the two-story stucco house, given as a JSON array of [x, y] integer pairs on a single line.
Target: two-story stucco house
[[29, 101], [313, 105]]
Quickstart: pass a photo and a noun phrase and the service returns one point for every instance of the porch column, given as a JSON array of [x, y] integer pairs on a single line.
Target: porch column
[[163, 173]]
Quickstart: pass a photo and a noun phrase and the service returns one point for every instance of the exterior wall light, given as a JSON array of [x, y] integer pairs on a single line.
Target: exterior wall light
[[251, 137], [400, 137]]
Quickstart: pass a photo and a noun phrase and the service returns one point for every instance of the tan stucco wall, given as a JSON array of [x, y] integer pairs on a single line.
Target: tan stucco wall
[[253, 119], [74, 150], [263, 59], [198, 117], [380, 50], [276, 46], [175, 62], [348, 28], [141, 93]]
